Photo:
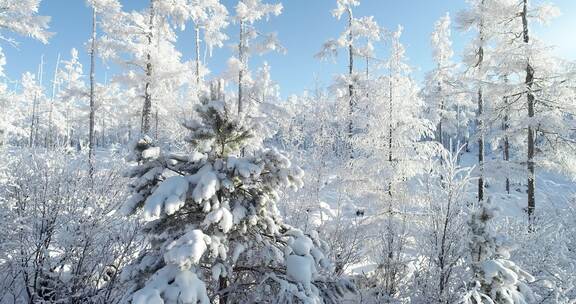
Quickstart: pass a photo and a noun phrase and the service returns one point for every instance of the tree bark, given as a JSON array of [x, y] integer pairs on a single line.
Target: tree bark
[[479, 118], [350, 73], [49, 134], [147, 108], [506, 150], [197, 38], [33, 122], [242, 67], [480, 145], [390, 133], [92, 95], [531, 134]]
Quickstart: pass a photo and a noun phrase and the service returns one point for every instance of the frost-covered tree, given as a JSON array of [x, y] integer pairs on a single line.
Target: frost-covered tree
[[446, 194], [72, 97], [357, 39], [18, 17], [209, 19], [99, 7], [214, 228], [402, 109], [143, 42], [483, 17], [446, 100], [496, 279], [536, 107], [251, 40]]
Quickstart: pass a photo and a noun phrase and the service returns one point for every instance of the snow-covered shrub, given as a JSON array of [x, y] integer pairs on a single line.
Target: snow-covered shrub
[[214, 228], [439, 269], [61, 240]]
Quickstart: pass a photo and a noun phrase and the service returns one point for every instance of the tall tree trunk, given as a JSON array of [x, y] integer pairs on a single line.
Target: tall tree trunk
[[480, 119], [92, 93], [531, 136], [197, 38], [40, 83], [351, 102], [147, 107], [241, 54], [439, 127], [506, 150], [50, 132], [33, 122], [390, 133], [222, 285], [480, 122], [156, 124]]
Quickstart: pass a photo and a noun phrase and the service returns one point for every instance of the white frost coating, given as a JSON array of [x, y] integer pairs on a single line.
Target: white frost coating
[[188, 249], [218, 271], [237, 251], [207, 184], [302, 245], [227, 220], [192, 289], [243, 167], [168, 197], [239, 212], [222, 216], [300, 268], [151, 153], [147, 296]]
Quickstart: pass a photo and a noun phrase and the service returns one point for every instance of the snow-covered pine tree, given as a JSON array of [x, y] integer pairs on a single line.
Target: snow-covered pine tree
[[214, 227], [496, 279]]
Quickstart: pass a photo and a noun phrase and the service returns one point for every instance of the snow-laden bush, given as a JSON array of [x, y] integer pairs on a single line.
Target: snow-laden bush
[[61, 240], [214, 228]]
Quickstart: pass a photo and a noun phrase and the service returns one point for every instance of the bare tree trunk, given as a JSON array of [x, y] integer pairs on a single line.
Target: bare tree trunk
[[92, 93], [156, 125], [40, 83], [49, 134], [197, 32], [242, 67], [531, 136], [223, 284], [33, 122], [147, 107], [480, 119], [390, 133], [439, 127], [351, 103], [506, 150]]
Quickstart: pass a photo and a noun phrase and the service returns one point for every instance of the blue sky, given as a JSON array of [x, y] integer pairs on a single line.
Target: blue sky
[[302, 28]]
